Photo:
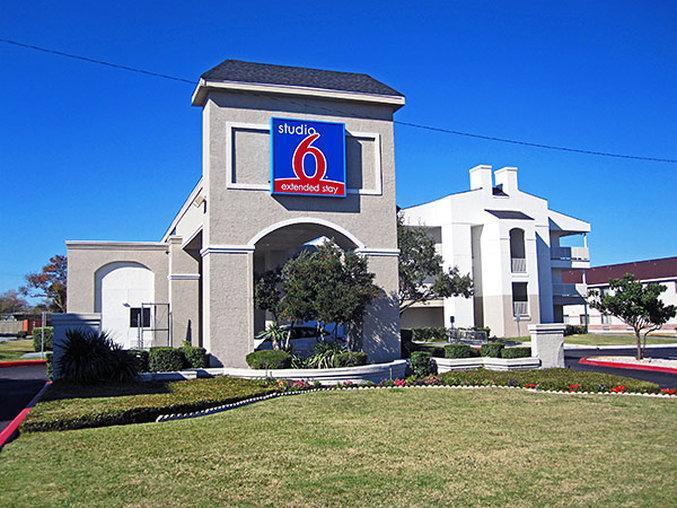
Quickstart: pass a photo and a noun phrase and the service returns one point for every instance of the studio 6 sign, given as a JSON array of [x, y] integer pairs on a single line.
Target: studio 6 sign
[[308, 158]]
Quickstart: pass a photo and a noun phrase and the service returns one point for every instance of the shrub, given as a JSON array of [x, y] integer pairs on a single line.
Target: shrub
[[575, 330], [65, 406], [516, 352], [408, 347], [37, 338], [430, 334], [460, 351], [50, 364], [140, 358], [422, 364], [88, 357], [325, 356], [548, 379], [484, 329], [269, 360], [22, 335], [350, 359], [493, 349], [196, 357], [166, 359]]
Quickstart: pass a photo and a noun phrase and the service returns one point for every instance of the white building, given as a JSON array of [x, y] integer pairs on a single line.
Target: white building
[[662, 271], [509, 241]]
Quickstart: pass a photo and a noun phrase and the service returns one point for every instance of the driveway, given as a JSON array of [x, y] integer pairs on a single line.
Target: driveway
[[571, 357], [18, 385]]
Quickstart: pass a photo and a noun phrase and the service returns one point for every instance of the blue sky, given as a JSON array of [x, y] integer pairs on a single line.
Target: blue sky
[[88, 152]]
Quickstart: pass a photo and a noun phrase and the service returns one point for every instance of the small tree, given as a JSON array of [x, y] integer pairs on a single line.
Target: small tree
[[11, 302], [268, 297], [421, 274], [636, 304], [49, 283]]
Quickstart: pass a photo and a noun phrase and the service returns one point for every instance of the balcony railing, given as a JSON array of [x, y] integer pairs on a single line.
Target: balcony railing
[[518, 265], [565, 290], [570, 253], [520, 308]]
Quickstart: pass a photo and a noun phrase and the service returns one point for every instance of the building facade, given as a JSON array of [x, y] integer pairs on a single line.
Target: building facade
[[509, 242], [662, 271], [196, 283]]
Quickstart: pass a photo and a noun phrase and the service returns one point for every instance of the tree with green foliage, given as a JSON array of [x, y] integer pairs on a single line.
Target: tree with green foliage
[[325, 286], [638, 305], [49, 283], [422, 276]]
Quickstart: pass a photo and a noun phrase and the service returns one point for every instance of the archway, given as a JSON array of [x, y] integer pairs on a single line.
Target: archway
[[121, 289], [279, 243]]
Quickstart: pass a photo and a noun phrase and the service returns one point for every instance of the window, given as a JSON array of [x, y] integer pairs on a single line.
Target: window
[[135, 314], [606, 319], [585, 319]]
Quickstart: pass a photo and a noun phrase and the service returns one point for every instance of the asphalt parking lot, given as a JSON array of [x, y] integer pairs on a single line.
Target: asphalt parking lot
[[18, 385], [571, 357]]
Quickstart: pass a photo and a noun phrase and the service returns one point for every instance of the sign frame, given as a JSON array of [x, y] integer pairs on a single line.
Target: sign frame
[[273, 192]]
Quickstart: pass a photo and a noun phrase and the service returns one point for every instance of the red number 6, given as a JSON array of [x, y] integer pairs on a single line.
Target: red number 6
[[298, 159]]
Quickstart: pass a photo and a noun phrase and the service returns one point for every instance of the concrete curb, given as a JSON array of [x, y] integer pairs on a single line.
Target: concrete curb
[[630, 366], [21, 363], [13, 427], [252, 400]]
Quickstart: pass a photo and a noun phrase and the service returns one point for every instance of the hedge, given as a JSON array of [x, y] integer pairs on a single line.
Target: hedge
[[196, 357], [269, 360], [548, 379], [66, 407], [575, 330], [350, 359], [430, 334], [141, 356], [37, 338], [460, 351], [164, 359], [493, 349], [516, 352], [422, 364]]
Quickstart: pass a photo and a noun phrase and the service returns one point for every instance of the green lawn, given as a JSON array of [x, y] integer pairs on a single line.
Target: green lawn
[[598, 339], [365, 448], [13, 349]]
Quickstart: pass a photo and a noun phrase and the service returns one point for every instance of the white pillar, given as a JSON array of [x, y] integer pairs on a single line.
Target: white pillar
[[547, 344]]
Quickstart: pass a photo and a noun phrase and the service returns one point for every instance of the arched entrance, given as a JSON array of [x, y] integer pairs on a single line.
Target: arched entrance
[[278, 244]]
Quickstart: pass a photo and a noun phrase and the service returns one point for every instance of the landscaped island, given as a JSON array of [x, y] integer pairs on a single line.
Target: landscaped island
[[409, 447]]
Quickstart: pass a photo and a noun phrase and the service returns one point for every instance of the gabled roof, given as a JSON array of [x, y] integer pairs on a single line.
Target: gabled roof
[[651, 269], [259, 73]]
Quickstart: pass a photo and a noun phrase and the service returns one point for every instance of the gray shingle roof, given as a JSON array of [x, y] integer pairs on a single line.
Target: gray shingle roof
[[250, 72]]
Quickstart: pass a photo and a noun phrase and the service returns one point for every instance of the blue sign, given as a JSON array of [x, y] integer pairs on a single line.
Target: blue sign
[[307, 158]]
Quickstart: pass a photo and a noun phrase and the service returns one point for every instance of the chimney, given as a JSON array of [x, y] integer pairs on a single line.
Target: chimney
[[507, 179], [480, 178]]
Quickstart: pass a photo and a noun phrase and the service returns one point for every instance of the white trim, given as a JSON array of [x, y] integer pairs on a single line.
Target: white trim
[[184, 208], [191, 237], [367, 251], [183, 276], [226, 249], [304, 220], [112, 245], [199, 97], [377, 190]]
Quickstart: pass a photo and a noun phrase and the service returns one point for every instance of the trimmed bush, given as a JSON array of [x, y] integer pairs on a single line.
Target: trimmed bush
[[548, 379], [269, 360], [66, 406], [422, 364], [516, 352], [350, 359], [430, 334], [408, 347], [196, 357], [37, 338], [484, 329], [460, 351], [141, 358], [575, 330], [166, 359], [50, 364], [493, 349], [88, 357]]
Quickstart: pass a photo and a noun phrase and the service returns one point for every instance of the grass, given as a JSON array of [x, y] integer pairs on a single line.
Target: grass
[[600, 339], [13, 349], [365, 448], [67, 406]]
